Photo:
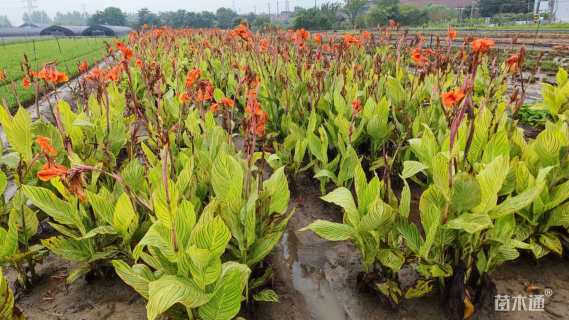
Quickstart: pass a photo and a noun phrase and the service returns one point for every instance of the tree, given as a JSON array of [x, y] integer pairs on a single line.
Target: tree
[[490, 8], [412, 16], [313, 19], [110, 16], [74, 18], [5, 22], [147, 17], [39, 17], [384, 11], [353, 9], [225, 18], [439, 13]]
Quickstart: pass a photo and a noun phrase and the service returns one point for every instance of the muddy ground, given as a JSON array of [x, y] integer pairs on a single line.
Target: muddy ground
[[316, 280]]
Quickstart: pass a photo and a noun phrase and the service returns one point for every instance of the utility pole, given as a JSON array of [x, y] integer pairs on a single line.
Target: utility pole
[[277, 14], [269, 5]]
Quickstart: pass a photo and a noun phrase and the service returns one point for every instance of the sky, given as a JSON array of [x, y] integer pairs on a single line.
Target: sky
[[14, 9]]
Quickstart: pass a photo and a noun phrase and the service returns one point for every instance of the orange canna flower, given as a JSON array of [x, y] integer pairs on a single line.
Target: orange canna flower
[[26, 82], [125, 51], [452, 98], [83, 66], [192, 76], [451, 33], [46, 146], [513, 63], [139, 63], [205, 91], [482, 45], [184, 98], [318, 38], [50, 74], [351, 40], [393, 23], [264, 44], [356, 106], [50, 171], [243, 32], [2, 75], [366, 36], [418, 57]]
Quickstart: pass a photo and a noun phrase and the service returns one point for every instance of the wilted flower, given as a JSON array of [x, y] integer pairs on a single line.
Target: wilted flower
[[452, 98], [482, 45], [2, 75], [513, 63]]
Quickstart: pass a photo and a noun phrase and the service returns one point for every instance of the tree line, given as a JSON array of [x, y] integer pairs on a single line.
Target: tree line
[[330, 15]]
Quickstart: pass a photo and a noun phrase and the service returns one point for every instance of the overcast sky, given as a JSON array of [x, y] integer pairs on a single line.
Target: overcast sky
[[14, 9]]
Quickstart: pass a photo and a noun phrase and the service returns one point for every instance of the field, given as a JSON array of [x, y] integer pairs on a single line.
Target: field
[[226, 174], [66, 52]]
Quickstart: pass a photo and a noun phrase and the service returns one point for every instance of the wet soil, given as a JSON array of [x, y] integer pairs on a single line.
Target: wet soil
[[51, 299]]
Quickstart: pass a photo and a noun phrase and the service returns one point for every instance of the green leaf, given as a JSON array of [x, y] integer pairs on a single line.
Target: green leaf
[[551, 241], [169, 290], [276, 188], [491, 179], [102, 204], [3, 181], [411, 235], [18, 131], [524, 199], [266, 295], [125, 218], [343, 198], [470, 222], [331, 231], [69, 249], [411, 168], [59, 210], [405, 201], [379, 214], [465, 192], [138, 276], [6, 295], [226, 301], [227, 181], [391, 258], [212, 235]]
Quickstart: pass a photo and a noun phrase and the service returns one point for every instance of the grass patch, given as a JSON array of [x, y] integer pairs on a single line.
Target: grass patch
[[66, 52]]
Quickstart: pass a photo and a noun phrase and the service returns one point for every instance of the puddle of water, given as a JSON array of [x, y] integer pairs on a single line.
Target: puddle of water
[[311, 283]]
